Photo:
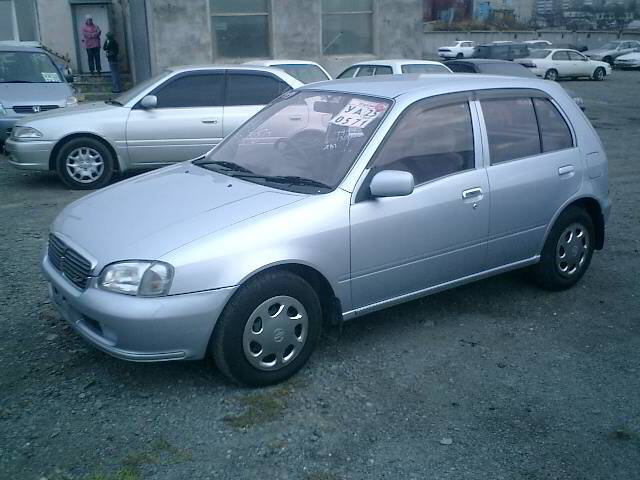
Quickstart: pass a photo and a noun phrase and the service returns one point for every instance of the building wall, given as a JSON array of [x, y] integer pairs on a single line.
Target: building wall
[[180, 32]]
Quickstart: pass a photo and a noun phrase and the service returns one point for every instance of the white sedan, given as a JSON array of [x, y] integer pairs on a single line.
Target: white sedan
[[558, 63], [459, 49], [628, 60], [393, 67]]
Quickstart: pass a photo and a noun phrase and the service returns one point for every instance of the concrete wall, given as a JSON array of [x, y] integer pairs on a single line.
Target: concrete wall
[[592, 39], [179, 33]]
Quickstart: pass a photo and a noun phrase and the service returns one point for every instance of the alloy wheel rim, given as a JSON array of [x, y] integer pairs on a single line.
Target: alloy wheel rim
[[275, 333], [85, 165], [572, 250]]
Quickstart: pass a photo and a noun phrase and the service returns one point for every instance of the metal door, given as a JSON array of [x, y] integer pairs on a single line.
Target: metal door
[[100, 14]]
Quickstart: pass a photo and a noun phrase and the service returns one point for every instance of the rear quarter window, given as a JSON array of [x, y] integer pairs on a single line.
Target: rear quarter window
[[555, 134]]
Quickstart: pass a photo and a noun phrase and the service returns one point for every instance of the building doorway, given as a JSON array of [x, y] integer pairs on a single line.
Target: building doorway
[[100, 14]]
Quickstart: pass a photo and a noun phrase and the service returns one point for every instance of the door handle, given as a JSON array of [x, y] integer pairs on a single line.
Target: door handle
[[566, 170], [295, 117], [209, 120], [471, 193]]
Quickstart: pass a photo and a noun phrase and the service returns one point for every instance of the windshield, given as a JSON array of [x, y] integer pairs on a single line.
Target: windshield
[[610, 46], [424, 68], [306, 141], [28, 67], [539, 53], [304, 73], [132, 93]]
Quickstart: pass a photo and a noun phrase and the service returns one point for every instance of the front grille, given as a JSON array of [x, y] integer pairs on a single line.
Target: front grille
[[33, 108], [70, 263]]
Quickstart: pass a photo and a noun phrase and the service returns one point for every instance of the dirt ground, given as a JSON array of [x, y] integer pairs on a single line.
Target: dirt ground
[[495, 380]]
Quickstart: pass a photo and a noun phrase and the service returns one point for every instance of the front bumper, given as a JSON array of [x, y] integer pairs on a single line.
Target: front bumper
[[627, 64], [32, 155], [139, 329]]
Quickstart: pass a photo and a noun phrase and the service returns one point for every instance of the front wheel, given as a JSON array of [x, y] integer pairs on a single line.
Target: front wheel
[[84, 163], [268, 330], [567, 252], [608, 60], [459, 55], [551, 75], [599, 74]]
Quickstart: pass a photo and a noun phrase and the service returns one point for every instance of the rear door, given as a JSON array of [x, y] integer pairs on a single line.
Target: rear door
[[246, 94], [534, 168], [562, 63], [186, 123]]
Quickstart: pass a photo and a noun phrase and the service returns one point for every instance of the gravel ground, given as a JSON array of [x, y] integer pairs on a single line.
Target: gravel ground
[[496, 380]]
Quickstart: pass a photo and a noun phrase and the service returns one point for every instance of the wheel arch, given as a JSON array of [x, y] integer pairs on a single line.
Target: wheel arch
[[593, 208], [330, 303], [64, 140]]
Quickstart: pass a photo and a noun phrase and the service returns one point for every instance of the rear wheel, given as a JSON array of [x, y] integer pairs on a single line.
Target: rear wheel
[[84, 163], [599, 74], [268, 330], [567, 252], [459, 55], [551, 74], [609, 60]]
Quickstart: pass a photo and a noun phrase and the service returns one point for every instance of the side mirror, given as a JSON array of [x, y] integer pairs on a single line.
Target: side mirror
[[391, 183], [69, 78], [148, 102]]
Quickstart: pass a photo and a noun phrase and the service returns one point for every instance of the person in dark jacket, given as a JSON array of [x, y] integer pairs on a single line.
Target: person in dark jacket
[[111, 49]]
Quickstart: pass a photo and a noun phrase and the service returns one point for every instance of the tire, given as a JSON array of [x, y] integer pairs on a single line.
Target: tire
[[562, 262], [551, 74], [76, 174], [242, 344], [599, 74], [609, 60], [459, 55]]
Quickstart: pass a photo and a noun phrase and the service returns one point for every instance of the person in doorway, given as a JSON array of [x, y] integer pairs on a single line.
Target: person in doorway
[[111, 49], [91, 38]]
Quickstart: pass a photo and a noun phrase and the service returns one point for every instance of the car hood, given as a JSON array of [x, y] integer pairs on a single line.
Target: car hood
[[630, 56], [75, 110], [34, 94], [150, 215], [599, 51]]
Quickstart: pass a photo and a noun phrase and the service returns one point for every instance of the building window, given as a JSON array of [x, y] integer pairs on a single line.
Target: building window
[[240, 28], [347, 27], [8, 23]]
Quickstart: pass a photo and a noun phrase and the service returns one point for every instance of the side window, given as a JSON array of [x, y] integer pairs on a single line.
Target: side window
[[511, 127], [248, 89], [429, 142], [576, 56], [561, 56], [366, 71], [348, 73], [192, 91], [384, 70], [554, 131], [461, 67]]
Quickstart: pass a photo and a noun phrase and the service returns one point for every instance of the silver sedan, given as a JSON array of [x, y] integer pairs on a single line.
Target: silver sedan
[[400, 186], [180, 114]]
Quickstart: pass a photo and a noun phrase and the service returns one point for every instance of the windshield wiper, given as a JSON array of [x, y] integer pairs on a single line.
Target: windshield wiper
[[226, 165], [287, 179], [111, 101]]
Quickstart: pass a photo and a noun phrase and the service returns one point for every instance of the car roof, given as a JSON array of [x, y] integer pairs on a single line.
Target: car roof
[[268, 63], [396, 61], [478, 61], [250, 68], [392, 86], [8, 47]]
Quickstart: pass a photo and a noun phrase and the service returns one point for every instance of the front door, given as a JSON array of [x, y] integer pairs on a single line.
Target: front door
[[100, 14], [534, 170], [438, 233], [187, 122]]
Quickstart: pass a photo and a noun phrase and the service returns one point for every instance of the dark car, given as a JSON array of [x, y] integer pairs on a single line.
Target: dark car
[[501, 51], [499, 67], [570, 46]]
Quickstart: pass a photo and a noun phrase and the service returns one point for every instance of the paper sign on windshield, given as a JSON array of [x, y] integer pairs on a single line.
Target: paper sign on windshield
[[50, 77], [358, 113]]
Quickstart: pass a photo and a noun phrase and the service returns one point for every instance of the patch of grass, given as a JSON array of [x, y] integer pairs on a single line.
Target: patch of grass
[[263, 407], [624, 434], [122, 474], [321, 476]]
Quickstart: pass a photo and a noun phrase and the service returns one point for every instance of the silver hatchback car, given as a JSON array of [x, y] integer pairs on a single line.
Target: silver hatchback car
[[338, 199]]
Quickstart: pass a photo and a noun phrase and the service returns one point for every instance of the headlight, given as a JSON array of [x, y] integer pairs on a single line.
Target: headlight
[[146, 279], [25, 133], [72, 100]]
